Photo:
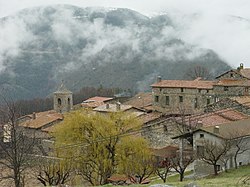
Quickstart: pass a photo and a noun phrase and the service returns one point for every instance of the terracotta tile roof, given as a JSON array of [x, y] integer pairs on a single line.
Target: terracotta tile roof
[[96, 101], [234, 129], [140, 100], [199, 84], [42, 119], [147, 117], [215, 118], [244, 100], [229, 130], [230, 82], [245, 72]]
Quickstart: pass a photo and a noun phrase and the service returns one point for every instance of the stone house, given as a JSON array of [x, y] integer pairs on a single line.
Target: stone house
[[171, 96], [233, 132]]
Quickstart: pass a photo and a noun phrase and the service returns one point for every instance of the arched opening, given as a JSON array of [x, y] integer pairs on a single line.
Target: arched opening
[[69, 104], [59, 101]]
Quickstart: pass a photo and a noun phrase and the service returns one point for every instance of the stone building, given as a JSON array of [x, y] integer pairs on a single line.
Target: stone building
[[171, 96], [237, 132], [63, 99]]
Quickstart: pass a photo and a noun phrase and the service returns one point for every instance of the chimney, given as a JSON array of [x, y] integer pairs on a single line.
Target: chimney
[[216, 129], [33, 115], [118, 106], [107, 106], [159, 79], [199, 124]]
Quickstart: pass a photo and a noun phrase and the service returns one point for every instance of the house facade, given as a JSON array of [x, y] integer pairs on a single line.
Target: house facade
[[171, 96], [235, 135]]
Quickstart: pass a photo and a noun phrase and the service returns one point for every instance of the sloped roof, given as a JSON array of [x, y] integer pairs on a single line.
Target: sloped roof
[[140, 100], [245, 72], [234, 129], [198, 84], [231, 130], [42, 119], [96, 101], [231, 82], [62, 89], [214, 118], [244, 100], [147, 117]]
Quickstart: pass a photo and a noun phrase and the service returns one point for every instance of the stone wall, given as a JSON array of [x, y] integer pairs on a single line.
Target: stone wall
[[170, 100]]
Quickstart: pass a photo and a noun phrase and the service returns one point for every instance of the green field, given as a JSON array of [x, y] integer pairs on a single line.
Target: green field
[[232, 178]]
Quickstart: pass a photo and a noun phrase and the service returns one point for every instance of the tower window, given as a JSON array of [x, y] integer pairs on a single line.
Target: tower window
[[182, 89], [68, 101], [225, 88], [59, 101]]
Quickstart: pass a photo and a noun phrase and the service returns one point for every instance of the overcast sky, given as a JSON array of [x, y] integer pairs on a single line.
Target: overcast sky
[[219, 26]]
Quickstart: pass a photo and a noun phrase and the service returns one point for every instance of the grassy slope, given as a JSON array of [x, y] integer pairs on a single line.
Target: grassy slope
[[232, 178]]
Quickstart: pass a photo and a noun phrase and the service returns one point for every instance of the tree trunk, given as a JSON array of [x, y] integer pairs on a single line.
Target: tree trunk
[[181, 176], [235, 162], [215, 170]]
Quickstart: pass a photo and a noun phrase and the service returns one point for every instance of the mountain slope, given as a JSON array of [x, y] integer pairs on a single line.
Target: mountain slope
[[93, 47]]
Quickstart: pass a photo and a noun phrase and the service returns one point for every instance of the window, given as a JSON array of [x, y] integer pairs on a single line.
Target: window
[[208, 101], [156, 98], [231, 75], [199, 90], [182, 89], [181, 99], [195, 103], [200, 151], [165, 127], [207, 91], [218, 167], [59, 101], [167, 100], [201, 135], [225, 88]]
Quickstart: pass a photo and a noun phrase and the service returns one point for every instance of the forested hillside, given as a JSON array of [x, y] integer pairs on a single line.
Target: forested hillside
[[93, 47]]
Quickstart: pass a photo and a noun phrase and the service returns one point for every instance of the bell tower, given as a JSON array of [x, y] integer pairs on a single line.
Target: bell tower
[[63, 99]]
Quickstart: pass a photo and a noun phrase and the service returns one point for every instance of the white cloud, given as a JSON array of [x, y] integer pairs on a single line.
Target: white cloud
[[201, 22]]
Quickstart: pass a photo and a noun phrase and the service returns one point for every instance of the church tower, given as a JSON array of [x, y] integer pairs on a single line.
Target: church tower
[[63, 99]]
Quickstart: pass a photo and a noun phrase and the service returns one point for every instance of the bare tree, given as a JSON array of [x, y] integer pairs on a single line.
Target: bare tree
[[196, 72], [15, 145], [214, 151], [163, 167], [239, 144], [53, 172], [180, 162]]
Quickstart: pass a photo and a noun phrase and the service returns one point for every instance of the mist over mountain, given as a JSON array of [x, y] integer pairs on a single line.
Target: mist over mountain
[[92, 47]]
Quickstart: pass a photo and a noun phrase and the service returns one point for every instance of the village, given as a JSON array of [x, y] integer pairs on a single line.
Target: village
[[184, 125]]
